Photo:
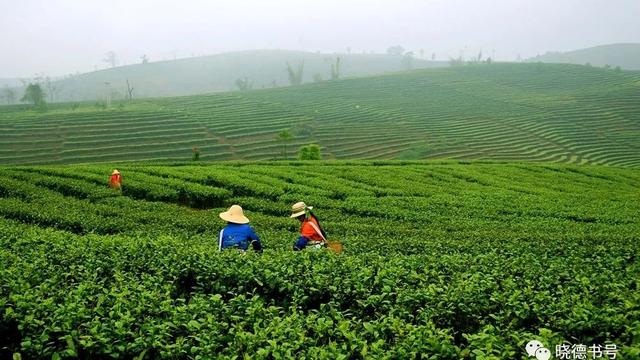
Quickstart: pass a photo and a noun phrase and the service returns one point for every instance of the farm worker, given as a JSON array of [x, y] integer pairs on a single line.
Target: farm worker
[[115, 181], [311, 234], [237, 234]]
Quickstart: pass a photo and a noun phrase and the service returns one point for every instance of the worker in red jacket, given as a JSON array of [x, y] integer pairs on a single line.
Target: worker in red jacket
[[311, 234], [115, 181]]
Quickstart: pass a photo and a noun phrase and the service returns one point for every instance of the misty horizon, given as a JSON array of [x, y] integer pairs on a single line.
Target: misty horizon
[[63, 37]]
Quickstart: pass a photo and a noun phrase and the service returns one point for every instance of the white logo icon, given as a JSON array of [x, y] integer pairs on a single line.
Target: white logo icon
[[535, 348], [543, 354]]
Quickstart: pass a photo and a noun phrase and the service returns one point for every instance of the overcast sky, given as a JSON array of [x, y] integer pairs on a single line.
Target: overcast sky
[[59, 37]]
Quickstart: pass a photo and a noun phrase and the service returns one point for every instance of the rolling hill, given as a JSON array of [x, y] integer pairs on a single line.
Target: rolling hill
[[626, 56], [497, 112], [216, 73]]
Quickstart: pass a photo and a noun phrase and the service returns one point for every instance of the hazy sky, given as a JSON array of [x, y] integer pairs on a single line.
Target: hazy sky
[[63, 36]]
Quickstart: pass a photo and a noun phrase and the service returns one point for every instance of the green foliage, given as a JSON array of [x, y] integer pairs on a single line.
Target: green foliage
[[395, 50], [457, 61], [335, 69], [295, 76], [35, 95], [285, 136], [9, 95], [502, 112], [309, 152], [407, 60], [449, 260], [243, 84]]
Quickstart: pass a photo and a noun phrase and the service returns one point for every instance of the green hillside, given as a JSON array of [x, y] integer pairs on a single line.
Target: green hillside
[[539, 112], [215, 73], [454, 261], [626, 56]]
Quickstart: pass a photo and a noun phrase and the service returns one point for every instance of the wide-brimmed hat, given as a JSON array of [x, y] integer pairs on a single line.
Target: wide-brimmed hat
[[234, 215], [299, 209], [115, 172]]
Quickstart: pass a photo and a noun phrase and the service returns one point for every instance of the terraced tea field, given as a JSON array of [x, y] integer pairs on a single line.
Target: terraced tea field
[[534, 112], [442, 260]]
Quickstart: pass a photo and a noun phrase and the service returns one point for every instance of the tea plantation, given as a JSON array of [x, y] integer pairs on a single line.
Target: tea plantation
[[442, 260], [535, 112]]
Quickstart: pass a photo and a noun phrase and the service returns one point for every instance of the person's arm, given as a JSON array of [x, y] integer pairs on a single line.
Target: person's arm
[[255, 240], [300, 244], [257, 246], [220, 240]]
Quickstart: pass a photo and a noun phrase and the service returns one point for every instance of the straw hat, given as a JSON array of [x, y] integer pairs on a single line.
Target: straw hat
[[115, 172], [299, 208], [234, 215]]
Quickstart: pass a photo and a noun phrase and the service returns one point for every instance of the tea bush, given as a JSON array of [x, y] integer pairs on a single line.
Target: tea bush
[[441, 261]]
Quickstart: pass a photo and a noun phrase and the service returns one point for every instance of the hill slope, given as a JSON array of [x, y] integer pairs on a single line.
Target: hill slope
[[538, 112], [215, 73], [626, 56]]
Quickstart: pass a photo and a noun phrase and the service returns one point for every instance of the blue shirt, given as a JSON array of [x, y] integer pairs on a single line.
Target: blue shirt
[[238, 236]]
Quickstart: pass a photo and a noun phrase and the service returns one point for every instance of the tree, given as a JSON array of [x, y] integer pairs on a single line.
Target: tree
[[108, 93], [285, 136], [244, 84], [295, 76], [35, 95], [9, 95], [129, 91], [456, 61], [52, 88], [395, 50], [433, 57], [111, 58], [407, 60], [304, 129], [145, 59], [317, 77], [309, 152], [335, 69]]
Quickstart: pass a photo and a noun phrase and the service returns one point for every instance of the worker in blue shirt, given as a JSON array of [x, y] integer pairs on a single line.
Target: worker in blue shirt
[[237, 234]]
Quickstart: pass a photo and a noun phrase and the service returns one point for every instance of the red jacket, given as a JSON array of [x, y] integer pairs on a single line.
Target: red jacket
[[115, 180], [307, 230]]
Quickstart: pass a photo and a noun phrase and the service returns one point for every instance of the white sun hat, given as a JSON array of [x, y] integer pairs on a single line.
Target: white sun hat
[[299, 209], [234, 215]]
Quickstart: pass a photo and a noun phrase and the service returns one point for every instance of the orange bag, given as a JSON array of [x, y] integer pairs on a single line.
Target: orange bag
[[335, 246], [332, 245]]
